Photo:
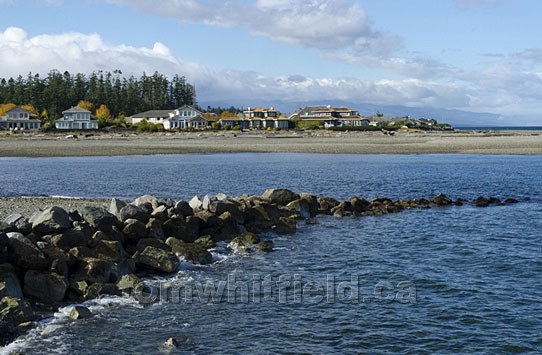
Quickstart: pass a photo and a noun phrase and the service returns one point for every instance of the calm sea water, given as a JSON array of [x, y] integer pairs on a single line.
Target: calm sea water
[[444, 280]]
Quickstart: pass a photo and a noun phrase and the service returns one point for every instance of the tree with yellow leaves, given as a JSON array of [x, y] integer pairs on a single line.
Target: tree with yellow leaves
[[104, 115], [87, 105]]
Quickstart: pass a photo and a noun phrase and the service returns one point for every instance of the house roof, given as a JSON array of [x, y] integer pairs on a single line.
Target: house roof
[[18, 109], [76, 109], [153, 113]]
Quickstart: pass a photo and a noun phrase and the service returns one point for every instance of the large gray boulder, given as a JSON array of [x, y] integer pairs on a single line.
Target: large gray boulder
[[115, 206], [134, 212], [23, 253], [18, 222], [281, 197], [187, 230], [98, 218], [157, 259], [195, 203], [52, 220], [47, 287], [143, 200]]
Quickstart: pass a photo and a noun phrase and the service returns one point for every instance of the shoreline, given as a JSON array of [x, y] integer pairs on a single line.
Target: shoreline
[[514, 142]]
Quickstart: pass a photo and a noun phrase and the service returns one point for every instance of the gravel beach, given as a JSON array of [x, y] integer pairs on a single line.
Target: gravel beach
[[407, 142], [27, 206]]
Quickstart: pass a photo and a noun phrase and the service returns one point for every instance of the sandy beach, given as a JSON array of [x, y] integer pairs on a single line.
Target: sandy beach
[[406, 142]]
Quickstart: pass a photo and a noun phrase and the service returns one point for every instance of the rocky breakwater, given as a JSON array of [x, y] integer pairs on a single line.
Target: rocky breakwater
[[57, 257]]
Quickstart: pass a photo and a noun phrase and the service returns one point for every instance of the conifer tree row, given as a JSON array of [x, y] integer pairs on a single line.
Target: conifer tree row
[[122, 95]]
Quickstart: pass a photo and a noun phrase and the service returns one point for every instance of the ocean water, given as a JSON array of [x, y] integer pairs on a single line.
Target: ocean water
[[444, 280]]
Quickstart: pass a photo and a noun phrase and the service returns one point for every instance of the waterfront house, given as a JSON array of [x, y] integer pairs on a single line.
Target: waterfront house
[[19, 119], [257, 118], [330, 116], [181, 118], [77, 118]]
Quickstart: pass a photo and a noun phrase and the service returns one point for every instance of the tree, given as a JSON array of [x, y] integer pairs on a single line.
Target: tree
[[87, 105], [104, 115], [5, 108], [30, 109]]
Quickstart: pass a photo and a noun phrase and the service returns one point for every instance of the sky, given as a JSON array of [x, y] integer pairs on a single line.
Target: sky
[[471, 55]]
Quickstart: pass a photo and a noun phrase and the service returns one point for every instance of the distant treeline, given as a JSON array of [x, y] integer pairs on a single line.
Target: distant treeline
[[58, 91]]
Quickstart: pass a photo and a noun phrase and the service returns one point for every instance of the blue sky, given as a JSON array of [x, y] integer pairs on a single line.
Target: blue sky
[[472, 55]]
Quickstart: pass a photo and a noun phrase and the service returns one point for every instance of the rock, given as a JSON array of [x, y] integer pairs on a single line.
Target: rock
[[59, 260], [94, 270], [312, 201], [6, 228], [250, 243], [9, 282], [171, 343], [195, 203], [157, 259], [301, 207], [160, 213], [80, 312], [47, 287], [4, 241], [140, 201], [358, 205], [128, 283], [98, 218], [19, 223], [286, 225], [134, 230], [327, 204], [99, 289], [221, 196], [511, 200], [187, 231], [155, 229], [261, 218], [115, 207], [194, 252], [134, 212], [222, 206], [69, 239], [110, 250], [96, 238], [206, 203], [481, 202], [52, 220], [459, 202], [184, 208], [15, 311], [494, 201], [206, 241], [281, 197], [146, 242], [23, 253], [441, 200], [228, 227]]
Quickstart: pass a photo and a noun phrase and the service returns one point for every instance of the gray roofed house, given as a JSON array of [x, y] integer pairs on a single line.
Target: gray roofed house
[[76, 118], [180, 118], [19, 119]]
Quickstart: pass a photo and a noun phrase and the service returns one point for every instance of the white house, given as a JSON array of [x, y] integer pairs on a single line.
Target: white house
[[19, 119], [76, 118], [181, 118]]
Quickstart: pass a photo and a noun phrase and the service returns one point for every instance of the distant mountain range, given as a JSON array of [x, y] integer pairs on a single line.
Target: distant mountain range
[[456, 118]]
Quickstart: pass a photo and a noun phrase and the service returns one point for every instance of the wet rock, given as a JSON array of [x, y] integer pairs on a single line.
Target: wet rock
[[510, 201], [286, 225], [99, 289], [481, 202], [494, 201], [9, 282], [194, 252], [52, 220], [281, 197], [250, 243], [228, 227], [80, 312], [128, 283], [157, 259], [47, 287], [14, 311], [300, 207], [146, 242], [171, 343], [261, 217], [459, 202], [98, 218], [206, 241], [441, 200], [327, 204], [23, 253], [222, 206], [312, 201], [358, 205]]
